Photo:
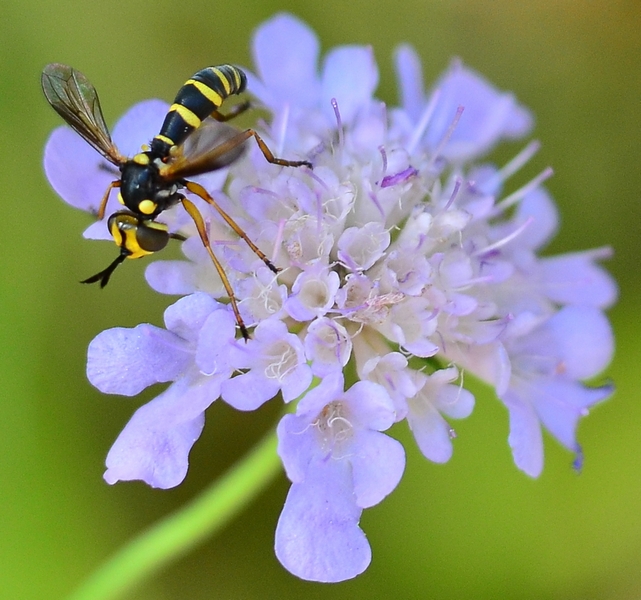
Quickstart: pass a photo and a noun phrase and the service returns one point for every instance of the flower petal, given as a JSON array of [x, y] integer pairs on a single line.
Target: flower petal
[[377, 466], [285, 51], [154, 446], [560, 405], [172, 277], [488, 115], [574, 278], [139, 125], [410, 81], [248, 391], [525, 437], [350, 76], [187, 316], [126, 361], [77, 173], [317, 536], [431, 432]]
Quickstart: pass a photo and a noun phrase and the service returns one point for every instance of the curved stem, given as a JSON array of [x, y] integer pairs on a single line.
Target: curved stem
[[176, 534]]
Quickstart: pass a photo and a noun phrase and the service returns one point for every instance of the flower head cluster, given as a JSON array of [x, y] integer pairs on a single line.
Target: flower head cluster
[[404, 264]]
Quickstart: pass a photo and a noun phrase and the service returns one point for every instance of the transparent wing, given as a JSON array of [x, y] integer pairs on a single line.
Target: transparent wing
[[74, 98], [212, 146]]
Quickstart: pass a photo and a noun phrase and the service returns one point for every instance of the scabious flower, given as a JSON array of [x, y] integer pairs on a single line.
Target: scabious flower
[[404, 266]]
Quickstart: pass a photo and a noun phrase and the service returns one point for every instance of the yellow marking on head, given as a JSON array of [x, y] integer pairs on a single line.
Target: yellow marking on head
[[188, 116], [145, 147], [117, 235], [121, 199], [147, 207], [124, 230], [141, 159], [156, 225], [214, 97], [223, 79]]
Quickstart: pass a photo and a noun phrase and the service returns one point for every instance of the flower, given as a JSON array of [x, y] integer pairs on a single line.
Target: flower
[[404, 266], [339, 462], [191, 353]]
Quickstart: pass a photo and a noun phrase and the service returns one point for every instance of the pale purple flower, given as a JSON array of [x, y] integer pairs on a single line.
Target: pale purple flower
[[548, 360], [193, 353], [437, 397], [392, 372], [339, 462], [287, 79], [273, 361], [489, 115], [313, 293], [360, 247], [328, 345], [404, 263]]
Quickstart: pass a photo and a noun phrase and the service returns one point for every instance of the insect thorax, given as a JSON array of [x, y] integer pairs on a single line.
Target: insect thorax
[[143, 190]]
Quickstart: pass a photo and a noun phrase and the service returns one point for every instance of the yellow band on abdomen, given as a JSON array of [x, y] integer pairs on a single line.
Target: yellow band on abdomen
[[188, 116]]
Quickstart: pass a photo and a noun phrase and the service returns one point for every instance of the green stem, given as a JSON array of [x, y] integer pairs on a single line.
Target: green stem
[[177, 533]]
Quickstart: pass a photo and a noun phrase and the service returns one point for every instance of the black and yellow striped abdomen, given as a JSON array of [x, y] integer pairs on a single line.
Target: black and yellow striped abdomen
[[201, 95]]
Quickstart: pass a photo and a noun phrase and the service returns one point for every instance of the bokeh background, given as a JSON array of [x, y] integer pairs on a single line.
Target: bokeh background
[[473, 528]]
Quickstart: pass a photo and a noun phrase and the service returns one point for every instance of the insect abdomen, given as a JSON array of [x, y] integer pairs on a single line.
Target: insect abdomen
[[197, 99]]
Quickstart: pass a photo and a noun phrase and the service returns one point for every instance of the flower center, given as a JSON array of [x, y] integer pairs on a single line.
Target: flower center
[[334, 428], [281, 360]]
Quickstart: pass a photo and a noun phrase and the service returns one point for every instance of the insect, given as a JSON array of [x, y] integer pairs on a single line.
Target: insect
[[153, 180]]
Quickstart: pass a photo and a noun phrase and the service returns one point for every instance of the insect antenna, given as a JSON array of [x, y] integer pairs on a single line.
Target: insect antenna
[[103, 276]]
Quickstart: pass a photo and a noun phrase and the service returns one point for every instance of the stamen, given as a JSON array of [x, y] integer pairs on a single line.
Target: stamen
[[285, 362], [455, 400], [317, 179], [508, 238], [404, 175], [381, 149], [229, 243], [339, 124], [424, 122], [448, 135], [454, 194], [334, 427], [341, 428], [377, 204], [519, 194], [472, 282], [513, 166], [282, 130], [279, 239]]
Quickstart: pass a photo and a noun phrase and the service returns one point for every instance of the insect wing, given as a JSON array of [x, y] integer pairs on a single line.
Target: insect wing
[[214, 145], [74, 98]]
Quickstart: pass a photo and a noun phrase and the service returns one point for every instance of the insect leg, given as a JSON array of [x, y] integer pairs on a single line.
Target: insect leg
[[199, 190], [105, 198], [234, 112], [194, 213], [269, 156]]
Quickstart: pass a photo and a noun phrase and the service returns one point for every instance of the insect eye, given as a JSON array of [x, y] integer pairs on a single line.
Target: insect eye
[[151, 238]]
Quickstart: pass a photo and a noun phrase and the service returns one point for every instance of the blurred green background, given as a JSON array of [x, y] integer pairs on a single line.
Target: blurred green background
[[473, 528]]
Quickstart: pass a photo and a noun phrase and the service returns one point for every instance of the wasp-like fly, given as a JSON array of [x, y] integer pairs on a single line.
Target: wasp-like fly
[[152, 180]]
